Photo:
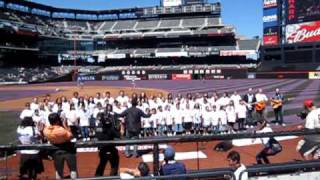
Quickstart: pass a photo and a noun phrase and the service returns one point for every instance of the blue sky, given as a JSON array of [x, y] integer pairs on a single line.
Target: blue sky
[[245, 15]]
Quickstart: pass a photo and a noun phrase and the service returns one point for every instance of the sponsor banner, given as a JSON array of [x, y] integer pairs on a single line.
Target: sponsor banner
[[236, 52], [314, 75], [86, 78], [157, 76], [271, 31], [303, 32], [110, 77], [181, 76], [270, 17], [167, 3], [269, 3], [131, 78], [299, 11], [270, 40]]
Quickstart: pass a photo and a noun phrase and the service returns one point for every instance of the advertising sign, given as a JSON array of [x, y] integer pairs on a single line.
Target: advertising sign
[[269, 3], [86, 78], [304, 32], [271, 31], [110, 77], [314, 75], [302, 11], [181, 76], [167, 3], [157, 76], [271, 40], [270, 17]]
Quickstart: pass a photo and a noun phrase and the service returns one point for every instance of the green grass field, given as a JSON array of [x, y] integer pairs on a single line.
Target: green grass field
[[8, 125]]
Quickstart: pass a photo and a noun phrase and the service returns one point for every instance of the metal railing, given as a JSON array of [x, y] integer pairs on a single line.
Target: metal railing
[[155, 141]]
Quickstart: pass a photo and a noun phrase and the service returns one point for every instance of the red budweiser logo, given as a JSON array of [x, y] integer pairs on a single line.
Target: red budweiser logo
[[306, 32]]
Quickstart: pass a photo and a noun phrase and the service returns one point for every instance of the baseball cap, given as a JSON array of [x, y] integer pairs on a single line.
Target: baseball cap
[[308, 103], [169, 153]]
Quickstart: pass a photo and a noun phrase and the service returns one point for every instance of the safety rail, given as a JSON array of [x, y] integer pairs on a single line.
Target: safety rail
[[160, 140], [164, 139], [196, 175], [291, 167]]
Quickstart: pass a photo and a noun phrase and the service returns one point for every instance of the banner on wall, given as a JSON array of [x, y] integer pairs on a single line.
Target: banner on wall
[[270, 17], [303, 32], [181, 76], [314, 75], [269, 3]]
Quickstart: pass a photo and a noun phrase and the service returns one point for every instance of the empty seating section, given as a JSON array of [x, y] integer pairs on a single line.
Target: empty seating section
[[107, 25], [170, 23], [194, 22], [169, 50], [7, 16], [198, 49], [124, 25], [223, 48], [147, 24], [213, 21], [77, 24], [248, 44], [145, 51]]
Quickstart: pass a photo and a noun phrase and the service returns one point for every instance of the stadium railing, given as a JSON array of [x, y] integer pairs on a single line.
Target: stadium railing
[[160, 140]]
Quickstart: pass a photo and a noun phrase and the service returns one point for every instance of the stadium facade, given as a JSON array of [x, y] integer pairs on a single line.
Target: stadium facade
[[174, 33], [291, 35]]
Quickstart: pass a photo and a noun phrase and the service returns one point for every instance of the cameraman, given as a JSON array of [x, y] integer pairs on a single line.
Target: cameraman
[[310, 143], [106, 130]]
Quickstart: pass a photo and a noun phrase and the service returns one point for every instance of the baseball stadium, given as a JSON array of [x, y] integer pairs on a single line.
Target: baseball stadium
[[162, 91]]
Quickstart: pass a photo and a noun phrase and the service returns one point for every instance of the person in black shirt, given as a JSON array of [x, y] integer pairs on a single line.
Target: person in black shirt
[[105, 131], [132, 125]]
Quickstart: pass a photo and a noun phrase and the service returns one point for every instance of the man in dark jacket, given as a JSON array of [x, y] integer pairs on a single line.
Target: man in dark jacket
[[105, 131], [132, 125], [250, 99]]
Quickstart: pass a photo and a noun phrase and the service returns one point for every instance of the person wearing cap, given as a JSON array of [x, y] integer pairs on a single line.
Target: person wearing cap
[[310, 143], [170, 166]]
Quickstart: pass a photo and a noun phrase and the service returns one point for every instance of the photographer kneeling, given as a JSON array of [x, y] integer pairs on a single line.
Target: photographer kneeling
[[106, 130]]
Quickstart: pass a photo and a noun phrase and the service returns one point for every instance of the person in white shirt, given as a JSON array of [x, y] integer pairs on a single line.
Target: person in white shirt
[[231, 115], [146, 124], [235, 97], [161, 123], [75, 98], [83, 116], [169, 120], [107, 98], [261, 99], [27, 112], [72, 120], [35, 104], [223, 101], [308, 146], [207, 119], [154, 121], [215, 120], [30, 160], [122, 98], [187, 119], [197, 119], [241, 112], [223, 122], [178, 119], [235, 162]]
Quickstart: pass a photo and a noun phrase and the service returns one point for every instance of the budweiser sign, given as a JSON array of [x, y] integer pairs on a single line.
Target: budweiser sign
[[304, 32]]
